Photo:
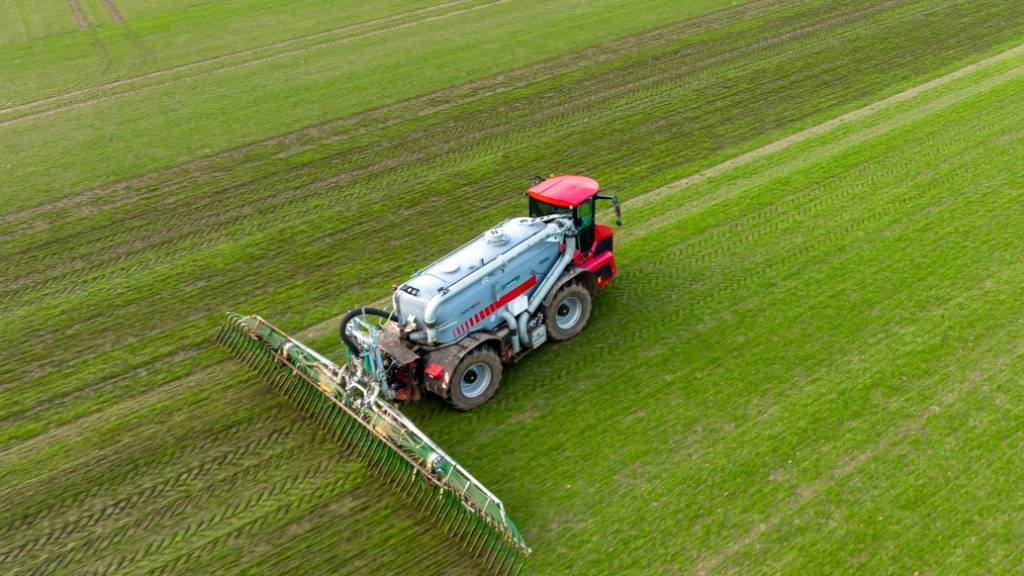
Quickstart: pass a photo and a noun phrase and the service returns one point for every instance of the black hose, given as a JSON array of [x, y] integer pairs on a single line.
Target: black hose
[[366, 311]]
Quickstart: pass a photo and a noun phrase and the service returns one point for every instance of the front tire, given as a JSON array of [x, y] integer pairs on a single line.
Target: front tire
[[476, 379], [568, 313]]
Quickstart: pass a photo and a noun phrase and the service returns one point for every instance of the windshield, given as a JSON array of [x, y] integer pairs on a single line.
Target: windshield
[[539, 209]]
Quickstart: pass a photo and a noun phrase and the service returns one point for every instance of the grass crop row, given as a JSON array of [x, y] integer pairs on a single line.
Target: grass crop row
[[755, 375]]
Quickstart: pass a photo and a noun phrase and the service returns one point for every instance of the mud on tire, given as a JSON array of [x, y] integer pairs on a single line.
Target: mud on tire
[[475, 380], [568, 313]]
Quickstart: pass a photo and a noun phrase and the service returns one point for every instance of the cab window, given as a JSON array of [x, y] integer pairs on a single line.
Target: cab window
[[585, 214], [539, 209], [585, 225]]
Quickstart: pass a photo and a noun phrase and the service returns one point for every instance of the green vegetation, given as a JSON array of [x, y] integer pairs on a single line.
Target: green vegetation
[[111, 132], [806, 366]]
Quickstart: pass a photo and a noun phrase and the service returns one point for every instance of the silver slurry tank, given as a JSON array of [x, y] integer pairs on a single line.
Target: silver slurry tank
[[466, 290]]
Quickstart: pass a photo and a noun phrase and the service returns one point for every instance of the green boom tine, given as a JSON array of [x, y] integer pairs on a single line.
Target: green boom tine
[[316, 408], [457, 508], [310, 402], [491, 546], [394, 468], [399, 471], [470, 539], [385, 468], [308, 398], [513, 559], [522, 562], [326, 407], [371, 447], [351, 429], [508, 557], [476, 544], [338, 424], [480, 540], [445, 509], [503, 545], [438, 509], [458, 519], [431, 496], [409, 486], [281, 382], [365, 445], [422, 494], [383, 459], [466, 529], [378, 452], [456, 514], [355, 440], [253, 352], [463, 521]]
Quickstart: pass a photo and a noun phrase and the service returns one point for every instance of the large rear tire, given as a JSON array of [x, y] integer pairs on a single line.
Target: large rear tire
[[568, 313], [476, 379]]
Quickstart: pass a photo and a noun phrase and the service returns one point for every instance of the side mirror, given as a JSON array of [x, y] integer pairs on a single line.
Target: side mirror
[[615, 205]]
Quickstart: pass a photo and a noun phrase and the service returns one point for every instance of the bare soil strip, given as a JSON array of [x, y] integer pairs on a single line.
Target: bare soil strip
[[79, 14]]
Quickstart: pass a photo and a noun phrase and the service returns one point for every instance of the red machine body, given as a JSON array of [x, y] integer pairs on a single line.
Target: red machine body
[[579, 195]]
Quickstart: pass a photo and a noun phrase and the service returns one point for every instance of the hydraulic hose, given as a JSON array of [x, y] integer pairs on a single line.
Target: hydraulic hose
[[364, 311]]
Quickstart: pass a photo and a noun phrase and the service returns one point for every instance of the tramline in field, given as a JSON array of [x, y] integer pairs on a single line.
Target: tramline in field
[[451, 328]]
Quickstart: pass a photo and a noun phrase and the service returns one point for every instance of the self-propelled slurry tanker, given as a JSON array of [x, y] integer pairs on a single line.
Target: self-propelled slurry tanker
[[449, 331]]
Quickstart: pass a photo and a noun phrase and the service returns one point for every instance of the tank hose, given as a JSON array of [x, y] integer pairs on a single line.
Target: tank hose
[[365, 311]]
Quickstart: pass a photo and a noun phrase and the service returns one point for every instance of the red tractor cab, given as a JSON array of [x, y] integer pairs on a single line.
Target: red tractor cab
[[578, 195]]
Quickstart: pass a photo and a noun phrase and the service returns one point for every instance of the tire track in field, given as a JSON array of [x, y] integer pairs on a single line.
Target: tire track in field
[[845, 467], [245, 63], [83, 22], [115, 15], [326, 326], [829, 125], [410, 108], [727, 164], [212, 216], [708, 248], [83, 511], [769, 219], [972, 65], [240, 475], [243, 52], [23, 23], [896, 204], [243, 503], [848, 466], [219, 371], [470, 134], [704, 202]]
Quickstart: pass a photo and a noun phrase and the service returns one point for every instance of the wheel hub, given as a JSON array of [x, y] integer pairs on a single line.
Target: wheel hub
[[475, 380], [568, 313]]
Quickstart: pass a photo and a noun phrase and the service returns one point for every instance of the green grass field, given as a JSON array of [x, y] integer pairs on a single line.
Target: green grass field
[[808, 364]]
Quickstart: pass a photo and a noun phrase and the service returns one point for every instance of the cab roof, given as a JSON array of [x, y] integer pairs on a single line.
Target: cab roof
[[566, 191]]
